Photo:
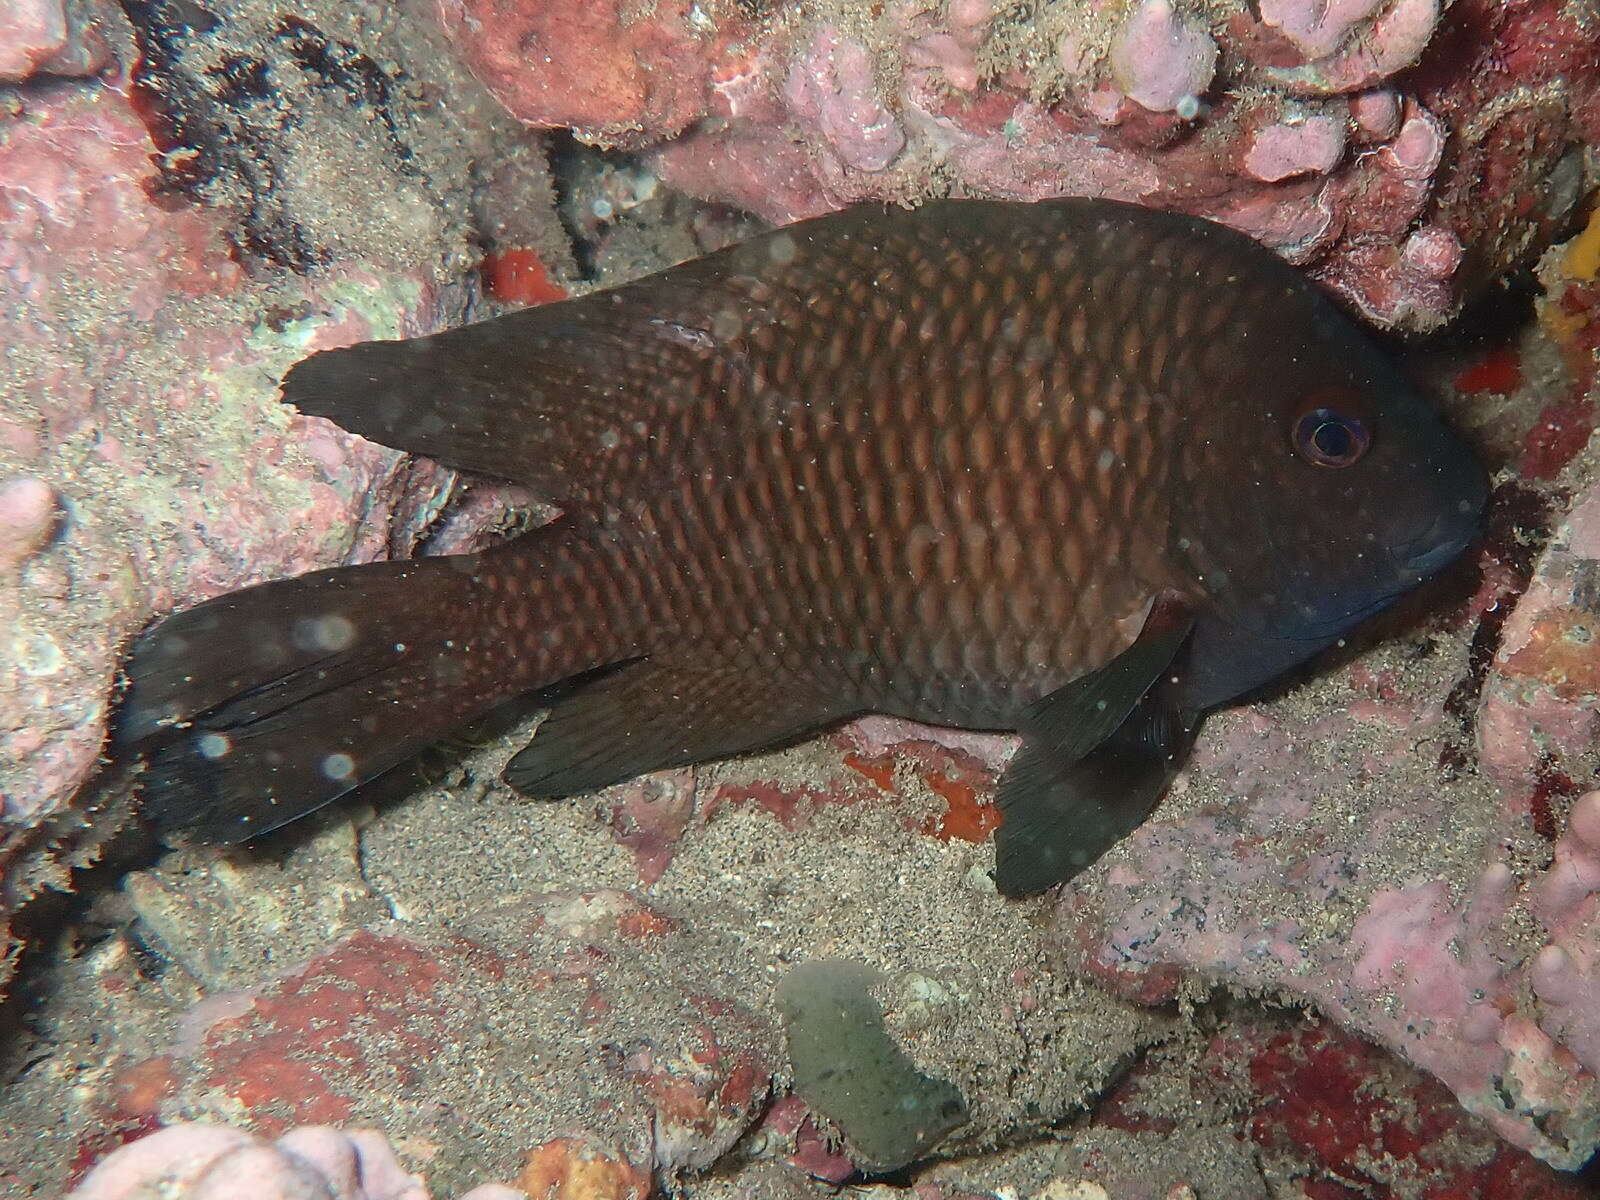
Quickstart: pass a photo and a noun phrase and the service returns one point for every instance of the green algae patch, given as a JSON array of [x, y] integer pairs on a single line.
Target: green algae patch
[[848, 1068]]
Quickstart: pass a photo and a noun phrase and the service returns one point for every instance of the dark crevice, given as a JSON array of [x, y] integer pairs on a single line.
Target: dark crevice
[[219, 107], [569, 159], [1516, 528]]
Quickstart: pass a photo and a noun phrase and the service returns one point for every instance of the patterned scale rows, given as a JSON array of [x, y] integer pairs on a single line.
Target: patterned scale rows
[[931, 528], [940, 466]]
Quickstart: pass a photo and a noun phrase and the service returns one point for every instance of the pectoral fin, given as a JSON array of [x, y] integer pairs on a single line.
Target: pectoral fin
[[1095, 758]]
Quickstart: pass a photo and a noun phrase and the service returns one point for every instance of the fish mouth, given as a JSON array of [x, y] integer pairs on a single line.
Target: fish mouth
[[1425, 557], [1453, 527], [1413, 570], [1427, 563], [1446, 539]]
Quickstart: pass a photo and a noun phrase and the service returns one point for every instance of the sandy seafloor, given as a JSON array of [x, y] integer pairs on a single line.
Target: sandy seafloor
[[851, 881], [755, 894]]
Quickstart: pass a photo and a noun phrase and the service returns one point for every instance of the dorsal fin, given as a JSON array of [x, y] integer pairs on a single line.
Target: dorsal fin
[[543, 396], [537, 396]]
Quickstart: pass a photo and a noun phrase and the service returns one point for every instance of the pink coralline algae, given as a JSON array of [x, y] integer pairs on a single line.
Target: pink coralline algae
[[1312, 146], [73, 210], [27, 516], [145, 462], [1541, 704], [1431, 971], [1566, 972], [73, 192], [217, 1162], [1318, 127], [1318, 29], [1163, 61], [594, 65], [50, 37], [1350, 44], [77, 214], [832, 86], [1400, 277]]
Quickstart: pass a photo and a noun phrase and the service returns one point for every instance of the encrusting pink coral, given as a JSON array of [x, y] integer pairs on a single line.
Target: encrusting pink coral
[[792, 117], [1351, 44], [1163, 60], [27, 515], [1317, 29], [1566, 972], [1312, 146], [218, 1162], [47, 37], [832, 86]]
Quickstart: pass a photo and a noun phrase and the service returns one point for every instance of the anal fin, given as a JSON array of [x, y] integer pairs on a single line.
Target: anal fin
[[650, 715]]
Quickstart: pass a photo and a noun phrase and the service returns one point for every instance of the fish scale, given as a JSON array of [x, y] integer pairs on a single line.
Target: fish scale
[[1048, 467], [950, 429]]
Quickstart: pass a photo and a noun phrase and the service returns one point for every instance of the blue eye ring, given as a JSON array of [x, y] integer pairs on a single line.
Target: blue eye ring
[[1327, 438]]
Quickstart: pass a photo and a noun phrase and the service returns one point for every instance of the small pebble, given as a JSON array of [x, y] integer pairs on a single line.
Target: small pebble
[[27, 519], [1555, 978], [1376, 114]]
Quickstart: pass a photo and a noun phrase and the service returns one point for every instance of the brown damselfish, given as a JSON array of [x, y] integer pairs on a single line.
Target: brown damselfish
[[1075, 468]]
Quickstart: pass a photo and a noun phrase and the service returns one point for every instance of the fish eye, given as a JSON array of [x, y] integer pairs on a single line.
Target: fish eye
[[1330, 439]]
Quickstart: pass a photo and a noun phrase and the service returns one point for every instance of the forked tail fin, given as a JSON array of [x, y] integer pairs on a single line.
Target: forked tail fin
[[260, 706]]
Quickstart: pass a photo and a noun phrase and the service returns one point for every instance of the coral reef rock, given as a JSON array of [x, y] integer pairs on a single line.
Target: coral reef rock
[[1405, 152], [175, 232], [581, 999]]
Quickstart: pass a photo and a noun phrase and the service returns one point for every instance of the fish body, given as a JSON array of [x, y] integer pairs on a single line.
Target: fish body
[[1074, 468]]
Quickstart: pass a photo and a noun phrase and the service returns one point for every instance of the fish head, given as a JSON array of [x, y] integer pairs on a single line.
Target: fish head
[[1330, 489]]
